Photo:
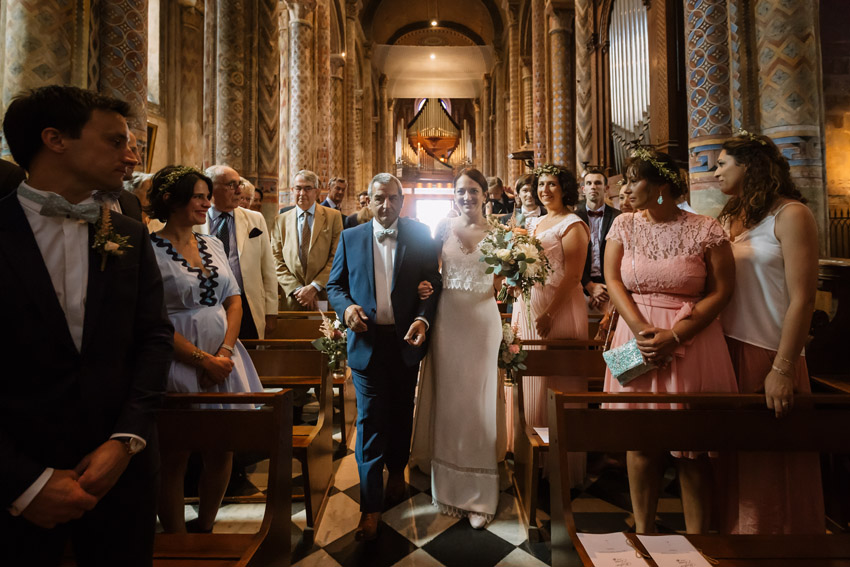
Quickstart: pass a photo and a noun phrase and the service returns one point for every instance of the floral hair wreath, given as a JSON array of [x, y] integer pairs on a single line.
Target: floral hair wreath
[[172, 177], [644, 154], [547, 169], [751, 136]]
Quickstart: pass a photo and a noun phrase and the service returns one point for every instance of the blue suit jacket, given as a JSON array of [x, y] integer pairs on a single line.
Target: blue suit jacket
[[352, 282]]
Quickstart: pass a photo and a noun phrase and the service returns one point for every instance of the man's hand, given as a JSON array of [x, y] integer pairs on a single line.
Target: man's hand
[[416, 333], [100, 469], [61, 500], [355, 318], [598, 293], [271, 323], [306, 296]]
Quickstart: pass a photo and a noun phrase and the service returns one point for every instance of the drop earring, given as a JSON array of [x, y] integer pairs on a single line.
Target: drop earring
[[660, 200]]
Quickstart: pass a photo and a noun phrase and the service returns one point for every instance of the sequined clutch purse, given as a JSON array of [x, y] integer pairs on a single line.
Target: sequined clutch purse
[[626, 362]]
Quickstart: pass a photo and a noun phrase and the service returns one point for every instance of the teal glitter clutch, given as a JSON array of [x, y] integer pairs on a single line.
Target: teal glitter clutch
[[626, 362]]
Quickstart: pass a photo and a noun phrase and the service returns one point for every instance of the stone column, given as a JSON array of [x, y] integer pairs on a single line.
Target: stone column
[[383, 119], [742, 67], [500, 128], [390, 126], [191, 84], [268, 101], [486, 162], [538, 70], [527, 103], [514, 81], [210, 71], [323, 90], [791, 94], [336, 156], [709, 112], [352, 134], [563, 131], [479, 136], [585, 40], [367, 141], [123, 60], [283, 177], [302, 93]]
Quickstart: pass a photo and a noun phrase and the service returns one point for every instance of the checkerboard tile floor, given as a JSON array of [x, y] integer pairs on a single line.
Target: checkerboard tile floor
[[415, 534]]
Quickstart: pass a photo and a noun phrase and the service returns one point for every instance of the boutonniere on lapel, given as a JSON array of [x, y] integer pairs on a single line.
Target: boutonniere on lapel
[[106, 240]]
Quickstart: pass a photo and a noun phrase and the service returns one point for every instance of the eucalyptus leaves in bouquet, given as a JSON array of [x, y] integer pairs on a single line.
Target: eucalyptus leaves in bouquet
[[333, 342], [512, 253]]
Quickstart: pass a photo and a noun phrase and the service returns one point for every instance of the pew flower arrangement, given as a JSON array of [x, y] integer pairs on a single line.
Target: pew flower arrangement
[[333, 342], [511, 354]]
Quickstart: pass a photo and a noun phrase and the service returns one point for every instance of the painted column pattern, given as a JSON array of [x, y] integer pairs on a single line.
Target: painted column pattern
[[563, 132], [514, 80], [301, 88], [383, 119], [210, 80], [191, 84], [283, 178], [486, 162], [123, 59], [479, 136], [367, 143], [742, 79], [268, 96], [336, 157], [788, 71], [709, 102], [352, 134], [538, 70], [527, 102], [323, 90], [229, 94], [500, 154], [585, 40]]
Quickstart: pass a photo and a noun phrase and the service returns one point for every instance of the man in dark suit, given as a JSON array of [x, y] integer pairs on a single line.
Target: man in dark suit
[[336, 194], [10, 177], [373, 288], [87, 326], [598, 217]]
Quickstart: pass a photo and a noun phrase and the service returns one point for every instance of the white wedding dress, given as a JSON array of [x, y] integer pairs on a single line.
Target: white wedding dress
[[459, 425]]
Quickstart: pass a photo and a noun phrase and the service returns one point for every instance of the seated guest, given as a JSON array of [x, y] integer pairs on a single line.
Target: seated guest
[[775, 244], [499, 203], [598, 217], [205, 306], [670, 274], [527, 202], [623, 198]]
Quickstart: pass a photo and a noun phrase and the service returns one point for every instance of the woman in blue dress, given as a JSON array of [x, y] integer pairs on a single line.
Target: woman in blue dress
[[204, 305]]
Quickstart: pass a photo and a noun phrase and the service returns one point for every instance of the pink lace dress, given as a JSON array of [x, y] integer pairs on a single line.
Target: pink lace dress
[[669, 265]]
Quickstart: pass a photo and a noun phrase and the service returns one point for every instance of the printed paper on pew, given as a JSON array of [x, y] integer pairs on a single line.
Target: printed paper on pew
[[543, 432], [673, 551], [610, 550]]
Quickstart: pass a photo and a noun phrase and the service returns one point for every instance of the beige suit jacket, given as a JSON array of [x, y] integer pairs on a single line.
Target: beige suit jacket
[[291, 275], [257, 264]]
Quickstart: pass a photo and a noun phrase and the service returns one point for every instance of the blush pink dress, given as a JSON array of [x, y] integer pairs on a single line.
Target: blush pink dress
[[668, 262], [568, 322]]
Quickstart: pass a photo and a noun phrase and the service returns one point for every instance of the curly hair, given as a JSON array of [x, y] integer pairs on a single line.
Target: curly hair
[[179, 190], [767, 177], [566, 179], [658, 169]]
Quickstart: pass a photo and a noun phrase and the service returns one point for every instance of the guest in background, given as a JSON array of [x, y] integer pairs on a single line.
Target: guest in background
[[527, 203], [256, 203], [670, 273], [205, 306], [598, 217], [246, 191], [623, 199], [336, 194], [775, 244], [124, 202], [499, 203], [10, 177], [363, 214], [244, 235]]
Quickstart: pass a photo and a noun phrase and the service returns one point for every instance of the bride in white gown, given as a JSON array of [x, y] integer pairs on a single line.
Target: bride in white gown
[[457, 428]]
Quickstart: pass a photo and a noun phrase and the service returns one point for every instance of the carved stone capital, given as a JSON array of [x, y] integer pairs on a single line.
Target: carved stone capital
[[352, 8], [337, 64], [592, 42], [300, 9]]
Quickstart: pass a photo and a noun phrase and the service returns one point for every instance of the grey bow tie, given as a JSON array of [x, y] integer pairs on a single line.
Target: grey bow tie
[[52, 205], [386, 233]]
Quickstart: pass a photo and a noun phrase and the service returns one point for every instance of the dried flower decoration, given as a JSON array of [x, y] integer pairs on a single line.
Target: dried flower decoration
[[176, 175], [751, 136], [547, 169], [645, 155]]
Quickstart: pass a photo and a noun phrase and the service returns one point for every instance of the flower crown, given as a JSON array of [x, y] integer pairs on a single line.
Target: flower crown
[[172, 177], [644, 154], [547, 169], [751, 136]]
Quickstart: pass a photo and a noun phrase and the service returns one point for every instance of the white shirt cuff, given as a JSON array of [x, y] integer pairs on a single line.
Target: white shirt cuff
[[144, 443], [317, 286], [20, 504], [424, 320]]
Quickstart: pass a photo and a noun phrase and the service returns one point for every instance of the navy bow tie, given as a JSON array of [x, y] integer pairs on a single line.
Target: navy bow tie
[[386, 233], [52, 205]]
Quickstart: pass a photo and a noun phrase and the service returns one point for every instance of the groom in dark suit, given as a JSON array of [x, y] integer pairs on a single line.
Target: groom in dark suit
[[87, 337], [373, 288]]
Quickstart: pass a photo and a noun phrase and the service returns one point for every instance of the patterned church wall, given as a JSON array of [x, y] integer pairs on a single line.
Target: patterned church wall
[[268, 95], [284, 194], [835, 47]]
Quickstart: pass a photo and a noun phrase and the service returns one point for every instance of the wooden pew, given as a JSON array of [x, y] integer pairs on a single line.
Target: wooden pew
[[576, 358], [268, 431], [312, 444], [296, 329], [715, 422]]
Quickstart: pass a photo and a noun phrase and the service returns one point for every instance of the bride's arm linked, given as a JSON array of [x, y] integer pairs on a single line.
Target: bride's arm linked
[[426, 288], [574, 247]]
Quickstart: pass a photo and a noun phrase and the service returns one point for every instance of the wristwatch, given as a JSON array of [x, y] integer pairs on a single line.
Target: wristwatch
[[132, 444]]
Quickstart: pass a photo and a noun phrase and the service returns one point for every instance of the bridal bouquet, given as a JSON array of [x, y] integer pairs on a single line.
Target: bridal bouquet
[[511, 354], [512, 253], [333, 342]]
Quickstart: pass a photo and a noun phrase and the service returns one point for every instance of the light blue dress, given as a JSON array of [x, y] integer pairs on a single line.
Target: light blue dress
[[194, 299]]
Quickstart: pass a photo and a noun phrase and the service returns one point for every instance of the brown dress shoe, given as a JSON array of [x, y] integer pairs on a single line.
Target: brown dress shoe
[[367, 530], [395, 490]]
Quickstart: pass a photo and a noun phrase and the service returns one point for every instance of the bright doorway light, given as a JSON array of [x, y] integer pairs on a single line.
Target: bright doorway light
[[434, 23], [432, 211]]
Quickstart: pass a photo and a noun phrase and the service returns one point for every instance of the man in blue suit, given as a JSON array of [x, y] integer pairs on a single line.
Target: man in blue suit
[[373, 288]]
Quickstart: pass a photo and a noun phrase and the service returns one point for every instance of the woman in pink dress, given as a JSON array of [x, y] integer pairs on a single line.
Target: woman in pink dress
[[558, 309], [669, 273], [775, 243]]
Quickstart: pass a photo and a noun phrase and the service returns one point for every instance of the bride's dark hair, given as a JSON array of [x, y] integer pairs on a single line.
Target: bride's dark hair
[[475, 175]]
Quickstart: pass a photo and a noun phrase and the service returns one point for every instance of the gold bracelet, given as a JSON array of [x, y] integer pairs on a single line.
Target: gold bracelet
[[198, 356], [780, 371], [783, 359]]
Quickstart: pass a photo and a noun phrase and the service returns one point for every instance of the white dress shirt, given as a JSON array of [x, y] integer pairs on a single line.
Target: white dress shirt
[[384, 257]]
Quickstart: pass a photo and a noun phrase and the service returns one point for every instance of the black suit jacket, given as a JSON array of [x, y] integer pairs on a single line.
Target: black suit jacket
[[130, 205], [10, 177], [56, 403], [608, 217]]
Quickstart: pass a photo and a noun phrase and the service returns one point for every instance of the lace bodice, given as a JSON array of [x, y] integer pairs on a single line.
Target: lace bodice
[[461, 270], [550, 239], [670, 256]]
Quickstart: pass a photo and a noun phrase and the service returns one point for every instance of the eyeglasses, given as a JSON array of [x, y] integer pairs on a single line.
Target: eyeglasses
[[232, 185], [303, 188]]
